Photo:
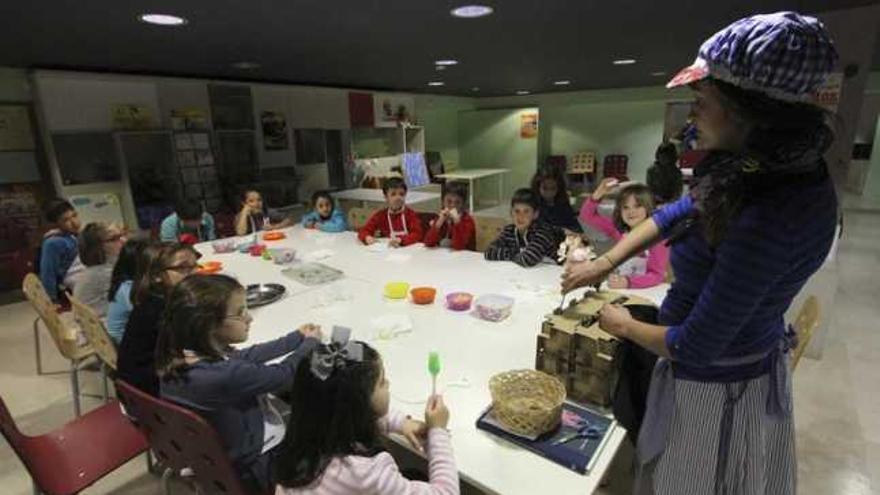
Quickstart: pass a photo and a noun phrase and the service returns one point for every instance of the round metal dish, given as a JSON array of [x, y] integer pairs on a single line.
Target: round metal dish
[[263, 294]]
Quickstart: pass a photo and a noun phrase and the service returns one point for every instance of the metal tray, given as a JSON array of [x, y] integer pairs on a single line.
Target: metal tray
[[263, 294]]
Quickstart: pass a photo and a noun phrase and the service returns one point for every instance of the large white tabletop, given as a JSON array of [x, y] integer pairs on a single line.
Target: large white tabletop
[[365, 195], [471, 175], [471, 350]]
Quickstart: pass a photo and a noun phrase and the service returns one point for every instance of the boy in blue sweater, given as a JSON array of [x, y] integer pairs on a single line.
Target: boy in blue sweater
[[59, 256], [188, 224], [325, 216]]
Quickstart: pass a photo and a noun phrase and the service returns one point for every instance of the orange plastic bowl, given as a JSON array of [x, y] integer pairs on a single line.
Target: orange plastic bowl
[[210, 267], [423, 295], [274, 236]]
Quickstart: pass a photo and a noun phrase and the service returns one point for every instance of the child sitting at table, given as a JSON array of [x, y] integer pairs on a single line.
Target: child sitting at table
[[199, 369], [133, 261], [253, 215], [325, 216], [634, 204], [188, 224], [397, 222], [528, 240], [454, 227], [554, 205], [99, 248], [334, 442]]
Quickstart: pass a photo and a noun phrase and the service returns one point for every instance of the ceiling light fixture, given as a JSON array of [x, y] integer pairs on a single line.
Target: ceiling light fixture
[[246, 65], [562, 83], [436, 83], [439, 67], [625, 61], [471, 11], [522, 92], [163, 19], [446, 62]]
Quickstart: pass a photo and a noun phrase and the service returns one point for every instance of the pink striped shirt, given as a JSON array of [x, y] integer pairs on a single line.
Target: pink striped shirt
[[658, 255], [378, 475]]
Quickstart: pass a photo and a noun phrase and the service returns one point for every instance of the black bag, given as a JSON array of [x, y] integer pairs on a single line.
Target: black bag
[[635, 368]]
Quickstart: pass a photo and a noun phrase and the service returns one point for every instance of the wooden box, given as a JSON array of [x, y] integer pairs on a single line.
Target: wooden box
[[572, 347]]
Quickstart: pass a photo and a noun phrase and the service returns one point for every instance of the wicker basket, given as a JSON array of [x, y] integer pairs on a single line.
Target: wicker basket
[[527, 402]]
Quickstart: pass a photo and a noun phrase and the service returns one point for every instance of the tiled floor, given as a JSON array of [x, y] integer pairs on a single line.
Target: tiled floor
[[836, 402]]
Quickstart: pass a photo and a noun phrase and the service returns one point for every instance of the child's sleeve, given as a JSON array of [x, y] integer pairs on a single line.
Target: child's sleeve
[[371, 226], [463, 233], [590, 216], [337, 222], [502, 248], [307, 219], [168, 229], [260, 353], [658, 259], [414, 226], [50, 265], [543, 243], [385, 477], [433, 235], [210, 231]]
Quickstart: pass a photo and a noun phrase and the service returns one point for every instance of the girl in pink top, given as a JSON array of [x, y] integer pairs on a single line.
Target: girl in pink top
[[333, 444], [634, 204]]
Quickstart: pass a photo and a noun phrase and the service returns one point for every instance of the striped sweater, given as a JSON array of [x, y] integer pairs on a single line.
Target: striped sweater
[[540, 240], [378, 475], [729, 301]]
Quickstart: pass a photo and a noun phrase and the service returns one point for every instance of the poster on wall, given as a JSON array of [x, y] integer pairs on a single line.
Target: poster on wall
[[15, 128], [274, 131], [127, 116], [392, 110], [828, 95], [184, 119], [528, 127]]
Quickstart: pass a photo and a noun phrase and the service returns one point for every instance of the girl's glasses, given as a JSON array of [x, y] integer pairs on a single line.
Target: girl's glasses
[[241, 315], [183, 268]]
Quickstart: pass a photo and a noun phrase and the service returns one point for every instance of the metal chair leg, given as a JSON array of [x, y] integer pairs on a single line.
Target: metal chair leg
[[74, 385], [37, 345], [166, 481], [105, 380]]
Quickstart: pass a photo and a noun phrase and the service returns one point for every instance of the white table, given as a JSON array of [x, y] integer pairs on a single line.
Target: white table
[[474, 174], [471, 350], [365, 196]]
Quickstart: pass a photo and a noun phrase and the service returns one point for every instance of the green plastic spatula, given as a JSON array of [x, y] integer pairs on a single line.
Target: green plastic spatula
[[434, 370]]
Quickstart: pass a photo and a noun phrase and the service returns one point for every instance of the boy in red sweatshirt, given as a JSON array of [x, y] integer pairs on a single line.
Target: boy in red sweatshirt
[[453, 227], [397, 222]]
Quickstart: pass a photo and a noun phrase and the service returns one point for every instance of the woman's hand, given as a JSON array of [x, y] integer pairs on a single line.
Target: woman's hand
[[604, 188], [616, 281], [615, 319], [584, 273], [414, 432], [310, 330]]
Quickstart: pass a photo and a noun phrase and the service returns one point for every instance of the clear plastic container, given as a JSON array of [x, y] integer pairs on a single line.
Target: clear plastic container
[[494, 307], [459, 301]]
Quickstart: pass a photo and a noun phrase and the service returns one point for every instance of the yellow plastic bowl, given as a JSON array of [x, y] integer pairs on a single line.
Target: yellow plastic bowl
[[396, 290]]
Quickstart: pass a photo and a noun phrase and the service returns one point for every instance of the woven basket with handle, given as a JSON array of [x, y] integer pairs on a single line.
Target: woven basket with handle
[[527, 402]]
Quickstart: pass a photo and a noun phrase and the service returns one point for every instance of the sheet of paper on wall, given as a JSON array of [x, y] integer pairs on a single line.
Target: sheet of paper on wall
[[201, 141], [183, 142]]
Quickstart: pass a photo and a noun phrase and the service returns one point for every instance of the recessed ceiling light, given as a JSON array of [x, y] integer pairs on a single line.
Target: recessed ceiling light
[[625, 61], [562, 83], [471, 11], [246, 65], [522, 92], [446, 62], [658, 73], [439, 67], [436, 83], [163, 19]]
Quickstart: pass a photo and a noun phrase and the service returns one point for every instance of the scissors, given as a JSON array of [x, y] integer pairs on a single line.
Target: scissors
[[584, 429]]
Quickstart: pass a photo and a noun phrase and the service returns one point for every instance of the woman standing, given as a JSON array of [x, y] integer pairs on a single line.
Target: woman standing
[[757, 224]]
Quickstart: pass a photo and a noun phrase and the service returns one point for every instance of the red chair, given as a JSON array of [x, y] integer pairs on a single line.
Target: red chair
[[182, 440], [615, 166], [75, 456]]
